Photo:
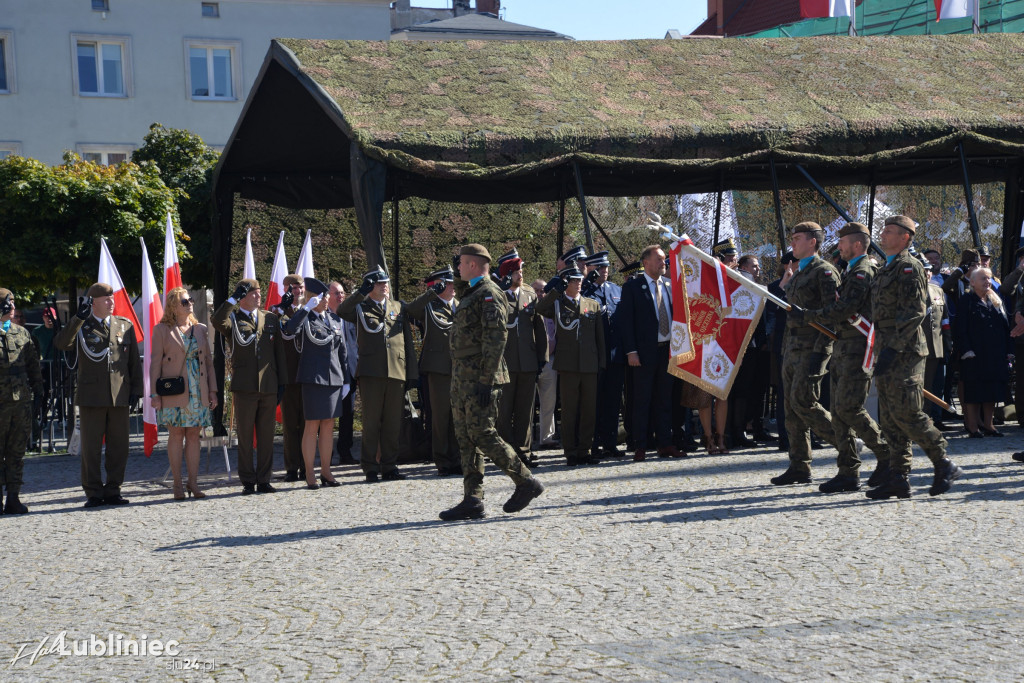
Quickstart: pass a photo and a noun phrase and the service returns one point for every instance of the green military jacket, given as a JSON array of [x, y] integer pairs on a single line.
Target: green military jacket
[[812, 287], [20, 376], [437, 317], [479, 333], [579, 332], [109, 365], [899, 301], [383, 337], [291, 354], [854, 298], [526, 349], [258, 363]]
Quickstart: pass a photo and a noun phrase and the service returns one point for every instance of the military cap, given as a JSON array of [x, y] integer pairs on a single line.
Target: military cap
[[5, 294], [1017, 254], [574, 254], [984, 251], [571, 273], [103, 289], [724, 248], [969, 256], [807, 226], [508, 256], [315, 287], [509, 266], [377, 275], [597, 260], [631, 269], [854, 229], [445, 274], [903, 222], [475, 250], [292, 279], [924, 262]]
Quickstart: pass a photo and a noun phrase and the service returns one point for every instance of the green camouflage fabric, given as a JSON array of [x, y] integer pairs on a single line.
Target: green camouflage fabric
[[20, 378], [899, 297], [804, 356], [478, 338]]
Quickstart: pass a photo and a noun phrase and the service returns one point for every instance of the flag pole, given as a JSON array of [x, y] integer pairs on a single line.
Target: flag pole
[[977, 17], [853, 17]]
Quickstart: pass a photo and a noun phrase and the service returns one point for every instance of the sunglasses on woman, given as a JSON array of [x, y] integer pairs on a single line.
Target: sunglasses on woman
[[187, 302]]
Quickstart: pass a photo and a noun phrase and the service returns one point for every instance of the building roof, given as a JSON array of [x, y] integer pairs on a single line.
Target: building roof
[[480, 26], [747, 16]]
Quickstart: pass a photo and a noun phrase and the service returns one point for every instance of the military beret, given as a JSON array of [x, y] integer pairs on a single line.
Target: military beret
[[315, 287], [508, 256], [509, 266], [597, 260], [475, 250], [854, 229], [5, 294], [807, 226], [445, 274], [103, 289], [1017, 254], [292, 279], [571, 273], [724, 248], [968, 256], [574, 254], [631, 269], [903, 222], [377, 275]]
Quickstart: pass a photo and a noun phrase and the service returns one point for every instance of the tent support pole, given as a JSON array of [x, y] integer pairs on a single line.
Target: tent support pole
[[396, 281], [779, 223], [607, 238], [835, 205], [560, 247], [224, 208], [583, 207], [969, 197], [1013, 217], [718, 210], [871, 206]]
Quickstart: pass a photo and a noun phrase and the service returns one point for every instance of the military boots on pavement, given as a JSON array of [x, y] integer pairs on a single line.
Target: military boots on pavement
[[946, 472], [840, 483], [524, 493], [895, 484], [471, 507], [14, 506]]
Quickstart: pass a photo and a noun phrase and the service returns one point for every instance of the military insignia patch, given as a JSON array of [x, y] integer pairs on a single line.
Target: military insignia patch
[[908, 269], [488, 299], [860, 276]]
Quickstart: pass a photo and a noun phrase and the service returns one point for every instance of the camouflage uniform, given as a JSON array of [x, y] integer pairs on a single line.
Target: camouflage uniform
[[849, 382], [20, 378], [805, 353], [899, 297], [478, 344]]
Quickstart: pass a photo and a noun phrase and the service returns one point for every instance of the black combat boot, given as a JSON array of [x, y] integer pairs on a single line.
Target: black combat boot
[[946, 472], [895, 484], [880, 474], [14, 506], [524, 493], [840, 483], [1018, 456], [471, 507], [791, 476]]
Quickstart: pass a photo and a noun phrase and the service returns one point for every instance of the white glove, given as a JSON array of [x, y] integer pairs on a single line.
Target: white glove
[[969, 354], [344, 391], [312, 303]]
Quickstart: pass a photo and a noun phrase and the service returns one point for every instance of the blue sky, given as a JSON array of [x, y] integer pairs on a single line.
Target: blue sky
[[601, 19]]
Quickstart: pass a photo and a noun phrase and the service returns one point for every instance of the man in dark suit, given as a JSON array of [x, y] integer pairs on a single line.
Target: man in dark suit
[[645, 322], [343, 452], [258, 374], [293, 422]]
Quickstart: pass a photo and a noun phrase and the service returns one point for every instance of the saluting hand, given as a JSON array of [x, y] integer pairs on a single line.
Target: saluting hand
[[287, 300], [84, 307]]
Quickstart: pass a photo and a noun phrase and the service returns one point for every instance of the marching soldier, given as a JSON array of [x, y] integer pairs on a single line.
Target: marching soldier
[[526, 352], [478, 371], [435, 308], [109, 382], [292, 421], [579, 355], [387, 360], [612, 378], [899, 297], [258, 375], [20, 381], [805, 352], [849, 381]]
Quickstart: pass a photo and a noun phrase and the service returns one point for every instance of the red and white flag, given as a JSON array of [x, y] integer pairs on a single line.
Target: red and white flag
[[813, 9], [305, 265], [713, 319], [172, 271], [275, 290], [122, 303], [249, 267], [954, 9], [152, 312]]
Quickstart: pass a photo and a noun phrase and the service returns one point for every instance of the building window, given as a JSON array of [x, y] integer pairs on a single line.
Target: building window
[[102, 66], [105, 155], [213, 72], [9, 148], [211, 10], [6, 61], [101, 5]]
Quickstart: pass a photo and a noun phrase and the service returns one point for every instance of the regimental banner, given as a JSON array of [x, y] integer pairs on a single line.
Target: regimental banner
[[713, 318]]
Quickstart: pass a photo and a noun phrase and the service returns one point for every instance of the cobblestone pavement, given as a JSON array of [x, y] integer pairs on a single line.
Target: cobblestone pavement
[[657, 571]]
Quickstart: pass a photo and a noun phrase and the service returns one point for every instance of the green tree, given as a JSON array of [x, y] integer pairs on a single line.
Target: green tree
[[185, 163], [52, 219]]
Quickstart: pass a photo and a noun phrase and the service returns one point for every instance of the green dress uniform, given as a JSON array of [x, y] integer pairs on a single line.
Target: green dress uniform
[[579, 355], [387, 359], [20, 379], [437, 316], [805, 353], [109, 375], [478, 345], [850, 383], [258, 368], [293, 422], [526, 352]]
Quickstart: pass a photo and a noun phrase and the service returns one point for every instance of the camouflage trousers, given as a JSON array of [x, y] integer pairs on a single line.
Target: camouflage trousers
[[850, 385], [804, 411], [901, 413], [478, 437], [15, 425]]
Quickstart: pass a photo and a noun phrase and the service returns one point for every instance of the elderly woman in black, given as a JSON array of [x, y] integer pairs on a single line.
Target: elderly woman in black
[[982, 334], [323, 374]]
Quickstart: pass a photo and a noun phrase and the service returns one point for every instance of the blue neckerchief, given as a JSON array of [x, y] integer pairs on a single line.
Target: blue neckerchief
[[853, 262], [7, 326], [888, 259], [478, 278], [805, 261]]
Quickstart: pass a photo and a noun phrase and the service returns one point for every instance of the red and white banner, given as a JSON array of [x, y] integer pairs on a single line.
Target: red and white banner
[[249, 267], [813, 9], [172, 271], [954, 9], [122, 303], [152, 312], [305, 265], [713, 318], [275, 290]]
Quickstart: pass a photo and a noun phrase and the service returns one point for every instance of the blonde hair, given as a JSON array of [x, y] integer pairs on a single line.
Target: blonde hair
[[991, 295], [172, 302]]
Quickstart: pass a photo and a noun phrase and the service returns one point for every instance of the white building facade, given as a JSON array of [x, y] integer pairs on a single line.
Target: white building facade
[[92, 75]]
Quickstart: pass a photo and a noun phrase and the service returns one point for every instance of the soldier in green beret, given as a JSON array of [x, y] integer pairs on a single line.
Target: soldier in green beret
[[899, 299], [478, 371], [20, 380]]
